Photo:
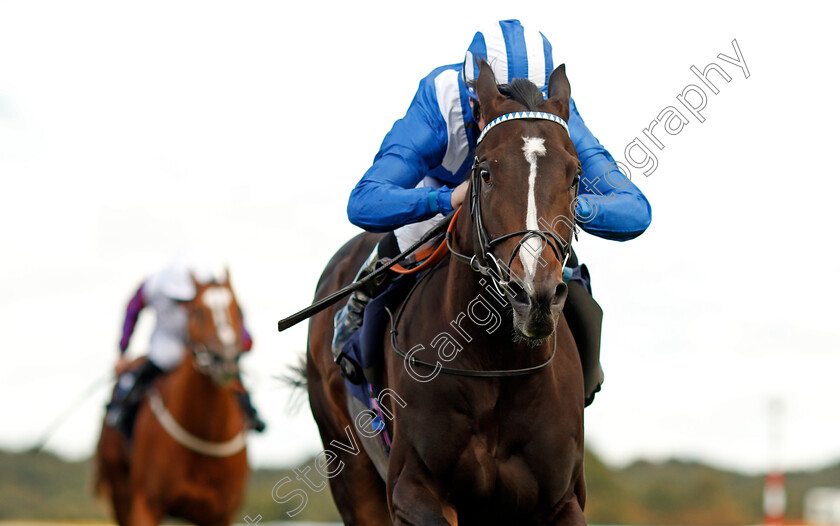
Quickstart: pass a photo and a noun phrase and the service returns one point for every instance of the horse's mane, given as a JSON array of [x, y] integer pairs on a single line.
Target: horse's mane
[[524, 92]]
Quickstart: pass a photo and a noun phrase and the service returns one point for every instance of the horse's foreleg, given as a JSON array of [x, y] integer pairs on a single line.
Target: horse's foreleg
[[121, 499], [143, 513], [113, 474], [417, 504]]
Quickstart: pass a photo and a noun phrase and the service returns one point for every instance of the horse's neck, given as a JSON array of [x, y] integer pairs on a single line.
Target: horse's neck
[[462, 284], [200, 405]]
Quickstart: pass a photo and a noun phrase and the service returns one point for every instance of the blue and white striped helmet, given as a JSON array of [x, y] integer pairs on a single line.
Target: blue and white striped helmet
[[513, 52]]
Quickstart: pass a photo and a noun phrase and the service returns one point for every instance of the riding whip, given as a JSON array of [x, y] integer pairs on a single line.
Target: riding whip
[[56, 423], [333, 298]]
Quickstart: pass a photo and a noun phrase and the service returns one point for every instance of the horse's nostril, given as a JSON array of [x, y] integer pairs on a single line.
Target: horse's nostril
[[560, 292]]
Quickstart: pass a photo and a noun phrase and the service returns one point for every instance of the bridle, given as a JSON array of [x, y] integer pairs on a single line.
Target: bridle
[[484, 260], [213, 364], [210, 362]]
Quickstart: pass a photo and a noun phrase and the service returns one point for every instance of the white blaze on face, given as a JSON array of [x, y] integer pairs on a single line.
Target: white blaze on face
[[218, 299], [532, 248]]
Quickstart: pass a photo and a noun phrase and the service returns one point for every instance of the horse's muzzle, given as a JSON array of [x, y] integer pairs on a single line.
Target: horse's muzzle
[[537, 307], [219, 367]]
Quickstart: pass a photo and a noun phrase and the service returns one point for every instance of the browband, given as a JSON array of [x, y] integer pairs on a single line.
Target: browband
[[522, 115]]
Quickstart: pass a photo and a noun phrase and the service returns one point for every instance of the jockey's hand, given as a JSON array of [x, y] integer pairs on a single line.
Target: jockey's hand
[[459, 194], [122, 365]]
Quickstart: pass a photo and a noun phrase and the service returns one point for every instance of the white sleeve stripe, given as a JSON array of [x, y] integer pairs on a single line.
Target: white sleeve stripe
[[449, 102]]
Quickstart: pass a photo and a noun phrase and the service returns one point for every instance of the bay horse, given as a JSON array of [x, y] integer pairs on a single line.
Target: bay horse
[[187, 456], [488, 430]]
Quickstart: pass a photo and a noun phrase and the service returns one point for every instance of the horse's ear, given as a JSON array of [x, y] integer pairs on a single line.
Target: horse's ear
[[488, 93], [227, 276], [195, 285], [558, 86]]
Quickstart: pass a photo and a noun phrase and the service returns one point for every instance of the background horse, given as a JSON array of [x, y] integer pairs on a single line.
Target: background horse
[[502, 449], [187, 455]]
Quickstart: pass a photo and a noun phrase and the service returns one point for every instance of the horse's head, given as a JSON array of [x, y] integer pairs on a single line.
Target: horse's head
[[524, 184], [215, 330]]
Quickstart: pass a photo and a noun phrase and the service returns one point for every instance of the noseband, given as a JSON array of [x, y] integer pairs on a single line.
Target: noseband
[[481, 262]]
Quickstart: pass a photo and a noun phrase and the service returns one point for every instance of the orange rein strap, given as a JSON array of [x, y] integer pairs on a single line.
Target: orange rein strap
[[431, 255]]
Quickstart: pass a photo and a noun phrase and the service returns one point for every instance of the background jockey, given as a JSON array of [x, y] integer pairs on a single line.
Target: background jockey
[[166, 292], [421, 170]]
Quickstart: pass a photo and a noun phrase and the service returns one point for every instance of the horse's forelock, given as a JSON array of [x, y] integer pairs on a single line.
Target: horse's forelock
[[524, 92]]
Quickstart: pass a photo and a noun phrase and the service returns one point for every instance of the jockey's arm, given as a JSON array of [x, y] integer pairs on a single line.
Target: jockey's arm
[[610, 205], [386, 197], [132, 312]]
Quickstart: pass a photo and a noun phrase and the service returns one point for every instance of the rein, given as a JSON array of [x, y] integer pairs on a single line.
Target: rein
[[480, 373], [187, 439]]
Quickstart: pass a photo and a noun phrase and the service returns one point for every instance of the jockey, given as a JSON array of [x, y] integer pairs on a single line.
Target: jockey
[[165, 292], [420, 173]]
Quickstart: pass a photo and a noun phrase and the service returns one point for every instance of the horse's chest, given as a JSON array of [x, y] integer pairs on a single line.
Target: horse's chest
[[522, 460], [514, 470], [209, 491]]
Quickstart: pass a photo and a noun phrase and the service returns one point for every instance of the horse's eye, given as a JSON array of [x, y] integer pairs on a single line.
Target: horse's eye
[[576, 180], [485, 176]]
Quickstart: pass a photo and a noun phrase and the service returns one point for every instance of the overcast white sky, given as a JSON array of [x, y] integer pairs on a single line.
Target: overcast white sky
[[131, 130]]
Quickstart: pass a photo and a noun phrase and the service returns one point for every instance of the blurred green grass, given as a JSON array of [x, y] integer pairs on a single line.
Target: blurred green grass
[[45, 487]]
